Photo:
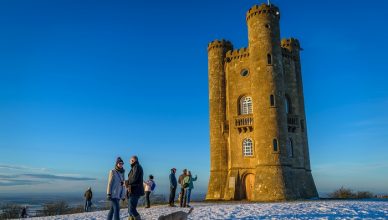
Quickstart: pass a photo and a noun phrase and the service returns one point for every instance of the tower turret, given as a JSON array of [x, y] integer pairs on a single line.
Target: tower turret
[[294, 86], [217, 101], [270, 126], [297, 129]]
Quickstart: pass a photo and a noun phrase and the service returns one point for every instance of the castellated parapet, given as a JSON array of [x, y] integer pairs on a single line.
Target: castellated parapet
[[258, 134]]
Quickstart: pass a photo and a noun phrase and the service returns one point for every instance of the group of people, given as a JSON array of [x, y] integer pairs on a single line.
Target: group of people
[[185, 181], [134, 187]]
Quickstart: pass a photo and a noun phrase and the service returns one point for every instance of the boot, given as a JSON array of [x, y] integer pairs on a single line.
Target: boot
[[137, 217]]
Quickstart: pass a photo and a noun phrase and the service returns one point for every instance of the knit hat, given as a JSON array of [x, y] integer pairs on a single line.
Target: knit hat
[[119, 160]]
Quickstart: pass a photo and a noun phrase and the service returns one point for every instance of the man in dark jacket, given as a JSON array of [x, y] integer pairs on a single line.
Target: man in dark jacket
[[180, 181], [88, 199], [135, 187], [173, 185]]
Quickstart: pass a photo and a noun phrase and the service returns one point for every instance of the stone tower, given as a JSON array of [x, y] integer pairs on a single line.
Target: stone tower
[[258, 134]]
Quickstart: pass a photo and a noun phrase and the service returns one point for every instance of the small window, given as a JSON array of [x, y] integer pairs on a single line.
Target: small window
[[272, 100], [290, 148], [275, 145], [246, 105], [248, 147], [244, 72], [288, 105], [302, 125], [269, 59], [268, 26]]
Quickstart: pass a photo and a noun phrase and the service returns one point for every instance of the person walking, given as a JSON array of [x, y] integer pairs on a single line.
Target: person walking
[[190, 188], [180, 181], [88, 195], [135, 188], [173, 185], [149, 187], [115, 189]]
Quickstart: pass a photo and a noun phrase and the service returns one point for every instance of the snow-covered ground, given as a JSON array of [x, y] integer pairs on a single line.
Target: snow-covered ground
[[327, 209]]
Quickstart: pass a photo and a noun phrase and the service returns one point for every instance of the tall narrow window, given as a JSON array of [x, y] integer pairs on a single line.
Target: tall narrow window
[[246, 105], [272, 100], [275, 144], [269, 59], [290, 148], [248, 147], [288, 105]]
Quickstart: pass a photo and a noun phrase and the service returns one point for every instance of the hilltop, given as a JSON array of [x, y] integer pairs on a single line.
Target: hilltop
[[322, 209]]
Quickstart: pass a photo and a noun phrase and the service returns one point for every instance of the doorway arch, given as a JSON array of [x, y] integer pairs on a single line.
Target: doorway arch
[[248, 186]]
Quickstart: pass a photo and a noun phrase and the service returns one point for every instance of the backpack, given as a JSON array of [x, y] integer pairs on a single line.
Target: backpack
[[153, 185]]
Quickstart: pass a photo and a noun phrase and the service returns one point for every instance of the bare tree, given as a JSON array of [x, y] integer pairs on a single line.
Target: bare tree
[[10, 211]]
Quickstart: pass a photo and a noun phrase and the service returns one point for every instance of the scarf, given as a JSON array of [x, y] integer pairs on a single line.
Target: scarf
[[120, 170]]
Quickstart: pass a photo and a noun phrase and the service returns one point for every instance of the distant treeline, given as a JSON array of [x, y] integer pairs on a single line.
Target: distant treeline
[[346, 193], [11, 211]]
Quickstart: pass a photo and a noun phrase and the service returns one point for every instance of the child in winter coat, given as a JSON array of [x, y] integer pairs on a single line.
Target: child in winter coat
[[149, 186]]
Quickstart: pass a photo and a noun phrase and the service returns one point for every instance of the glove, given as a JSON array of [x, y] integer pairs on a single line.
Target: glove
[[109, 197]]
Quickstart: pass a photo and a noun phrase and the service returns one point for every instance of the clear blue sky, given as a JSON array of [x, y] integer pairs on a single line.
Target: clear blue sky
[[83, 81]]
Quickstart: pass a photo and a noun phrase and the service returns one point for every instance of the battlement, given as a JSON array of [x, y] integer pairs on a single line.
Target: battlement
[[220, 44], [291, 44], [263, 9], [290, 48], [236, 54], [286, 53]]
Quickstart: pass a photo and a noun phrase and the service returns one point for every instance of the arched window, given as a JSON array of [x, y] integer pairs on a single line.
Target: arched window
[[269, 59], [275, 144], [248, 147], [272, 100], [290, 148], [246, 105], [288, 105]]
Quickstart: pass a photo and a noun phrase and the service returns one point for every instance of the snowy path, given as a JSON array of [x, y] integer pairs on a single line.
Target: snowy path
[[285, 210]]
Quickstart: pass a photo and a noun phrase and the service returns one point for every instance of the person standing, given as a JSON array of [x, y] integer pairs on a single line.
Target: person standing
[[88, 195], [185, 185], [149, 186], [191, 187], [115, 189], [180, 181], [173, 185], [135, 188], [24, 212]]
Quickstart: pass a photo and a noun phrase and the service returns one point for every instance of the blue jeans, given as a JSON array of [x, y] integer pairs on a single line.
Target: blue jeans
[[88, 203], [114, 211], [188, 191], [132, 204]]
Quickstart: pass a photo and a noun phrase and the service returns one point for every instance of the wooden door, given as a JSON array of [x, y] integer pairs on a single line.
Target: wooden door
[[249, 181]]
